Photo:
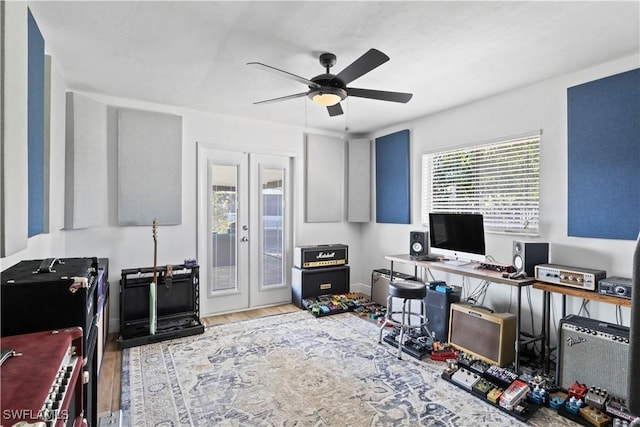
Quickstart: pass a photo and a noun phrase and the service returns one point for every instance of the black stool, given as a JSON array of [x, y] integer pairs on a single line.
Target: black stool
[[408, 291]]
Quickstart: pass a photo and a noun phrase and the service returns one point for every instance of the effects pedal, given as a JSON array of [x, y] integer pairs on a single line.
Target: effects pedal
[[577, 390], [444, 355], [618, 407], [482, 387], [596, 397], [494, 395], [465, 379], [502, 377], [479, 367], [537, 396], [448, 373], [594, 416], [514, 394], [573, 405]]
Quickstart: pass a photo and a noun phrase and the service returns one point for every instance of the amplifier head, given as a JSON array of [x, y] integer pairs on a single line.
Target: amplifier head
[[593, 353], [483, 334]]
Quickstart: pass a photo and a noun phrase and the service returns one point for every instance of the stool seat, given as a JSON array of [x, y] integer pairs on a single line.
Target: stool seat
[[407, 290]]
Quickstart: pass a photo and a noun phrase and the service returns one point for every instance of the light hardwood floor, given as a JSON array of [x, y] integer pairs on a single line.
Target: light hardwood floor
[[109, 383]]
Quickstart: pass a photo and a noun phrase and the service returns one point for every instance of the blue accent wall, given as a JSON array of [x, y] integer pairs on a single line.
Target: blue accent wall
[[35, 131], [604, 157], [392, 178]]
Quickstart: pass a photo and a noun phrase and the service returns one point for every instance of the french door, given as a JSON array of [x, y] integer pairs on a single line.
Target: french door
[[244, 231]]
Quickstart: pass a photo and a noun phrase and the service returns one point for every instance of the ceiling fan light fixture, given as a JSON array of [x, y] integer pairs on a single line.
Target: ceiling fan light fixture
[[327, 96]]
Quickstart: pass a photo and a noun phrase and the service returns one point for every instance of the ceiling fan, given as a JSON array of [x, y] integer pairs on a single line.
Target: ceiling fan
[[329, 89]]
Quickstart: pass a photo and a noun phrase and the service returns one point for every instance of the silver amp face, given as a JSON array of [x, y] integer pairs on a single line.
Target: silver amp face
[[593, 353], [575, 277]]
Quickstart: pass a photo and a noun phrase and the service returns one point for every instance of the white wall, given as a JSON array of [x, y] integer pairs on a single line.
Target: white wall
[[131, 247], [541, 106]]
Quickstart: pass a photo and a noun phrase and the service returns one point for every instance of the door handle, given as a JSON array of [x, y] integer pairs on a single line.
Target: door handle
[[244, 239]]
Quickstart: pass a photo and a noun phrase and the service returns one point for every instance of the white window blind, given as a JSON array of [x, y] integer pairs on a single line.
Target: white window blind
[[499, 180]]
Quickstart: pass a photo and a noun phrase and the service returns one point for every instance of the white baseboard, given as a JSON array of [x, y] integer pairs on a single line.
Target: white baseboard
[[114, 326], [360, 288]]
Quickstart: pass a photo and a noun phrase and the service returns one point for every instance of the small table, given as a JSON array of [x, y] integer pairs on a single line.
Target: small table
[[472, 270], [565, 291]]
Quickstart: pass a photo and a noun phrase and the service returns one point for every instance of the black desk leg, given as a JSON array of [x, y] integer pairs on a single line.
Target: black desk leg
[[518, 331], [546, 329]]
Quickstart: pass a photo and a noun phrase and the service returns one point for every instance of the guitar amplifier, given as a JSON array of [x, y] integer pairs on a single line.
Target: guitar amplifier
[[41, 362], [307, 283], [593, 353], [315, 256], [482, 333]]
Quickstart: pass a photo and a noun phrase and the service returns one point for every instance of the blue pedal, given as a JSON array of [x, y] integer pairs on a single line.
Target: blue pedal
[[444, 289], [434, 285]]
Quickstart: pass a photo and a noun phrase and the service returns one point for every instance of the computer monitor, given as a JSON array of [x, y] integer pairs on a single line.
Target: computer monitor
[[459, 237]]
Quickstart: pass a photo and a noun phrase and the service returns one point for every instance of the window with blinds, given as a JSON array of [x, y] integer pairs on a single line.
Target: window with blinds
[[500, 180]]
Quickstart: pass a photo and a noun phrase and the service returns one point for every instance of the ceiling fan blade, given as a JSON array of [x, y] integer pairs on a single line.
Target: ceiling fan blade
[[371, 59], [282, 98], [334, 110], [379, 94], [286, 74]]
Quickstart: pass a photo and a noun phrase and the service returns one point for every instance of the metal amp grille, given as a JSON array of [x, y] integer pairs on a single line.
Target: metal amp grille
[[593, 353]]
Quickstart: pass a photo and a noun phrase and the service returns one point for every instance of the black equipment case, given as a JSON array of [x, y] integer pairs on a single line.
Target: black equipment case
[[55, 293]]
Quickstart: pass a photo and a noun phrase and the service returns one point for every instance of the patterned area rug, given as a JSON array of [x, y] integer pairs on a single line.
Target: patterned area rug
[[296, 370]]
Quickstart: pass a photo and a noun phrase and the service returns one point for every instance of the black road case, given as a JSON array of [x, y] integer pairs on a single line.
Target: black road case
[[57, 293]]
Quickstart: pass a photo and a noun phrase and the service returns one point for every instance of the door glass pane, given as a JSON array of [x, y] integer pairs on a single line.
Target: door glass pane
[[223, 226], [271, 184]]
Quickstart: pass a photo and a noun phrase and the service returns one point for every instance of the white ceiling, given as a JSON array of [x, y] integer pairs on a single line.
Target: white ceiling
[[194, 54]]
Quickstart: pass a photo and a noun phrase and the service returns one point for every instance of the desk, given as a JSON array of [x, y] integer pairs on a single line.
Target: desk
[[565, 291], [471, 270]]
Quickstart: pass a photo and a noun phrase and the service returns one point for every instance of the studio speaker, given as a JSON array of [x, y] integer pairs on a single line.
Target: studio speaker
[[418, 243], [526, 255]]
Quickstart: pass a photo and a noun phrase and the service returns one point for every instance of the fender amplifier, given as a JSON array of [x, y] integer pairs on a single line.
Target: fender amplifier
[[320, 256], [593, 353], [482, 333]]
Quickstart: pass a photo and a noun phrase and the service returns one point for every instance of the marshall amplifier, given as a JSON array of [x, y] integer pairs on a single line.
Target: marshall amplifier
[[320, 256], [593, 353], [307, 283]]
